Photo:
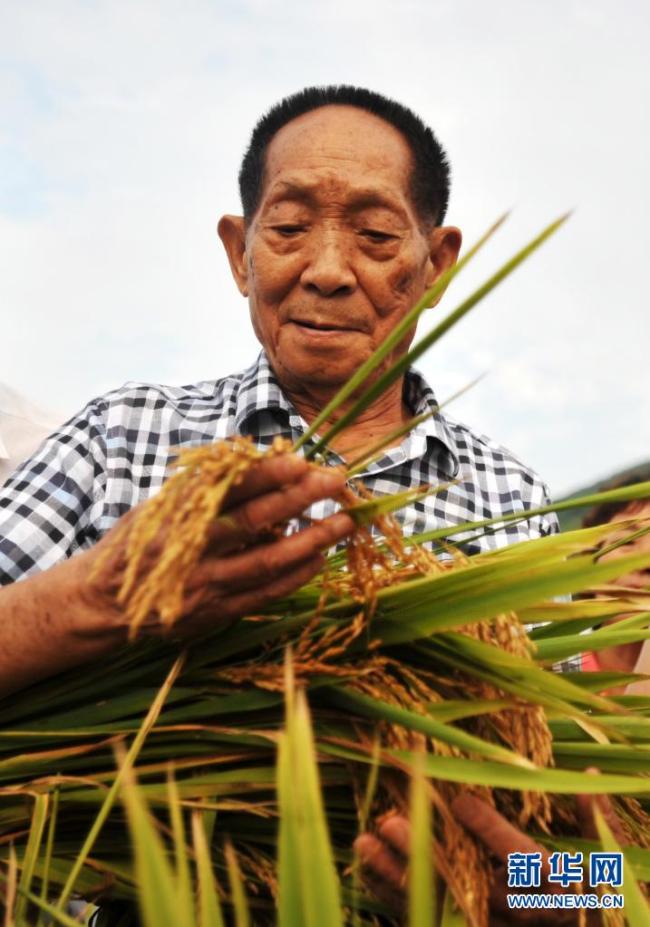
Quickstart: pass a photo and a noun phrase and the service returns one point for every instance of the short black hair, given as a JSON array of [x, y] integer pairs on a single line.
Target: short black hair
[[430, 177]]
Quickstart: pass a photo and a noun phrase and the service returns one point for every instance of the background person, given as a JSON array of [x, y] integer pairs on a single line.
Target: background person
[[633, 657]]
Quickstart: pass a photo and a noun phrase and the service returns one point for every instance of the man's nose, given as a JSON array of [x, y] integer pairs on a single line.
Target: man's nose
[[328, 270]]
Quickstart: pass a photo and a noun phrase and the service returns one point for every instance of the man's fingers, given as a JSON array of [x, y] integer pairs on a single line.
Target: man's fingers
[[250, 602], [395, 830], [259, 565], [212, 613], [383, 860], [240, 524], [491, 828], [379, 862], [267, 474]]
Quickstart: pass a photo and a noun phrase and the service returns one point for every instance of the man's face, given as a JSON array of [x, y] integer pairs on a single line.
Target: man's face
[[336, 254]]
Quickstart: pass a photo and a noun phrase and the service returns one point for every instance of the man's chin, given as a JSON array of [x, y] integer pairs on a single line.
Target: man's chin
[[313, 374], [323, 361]]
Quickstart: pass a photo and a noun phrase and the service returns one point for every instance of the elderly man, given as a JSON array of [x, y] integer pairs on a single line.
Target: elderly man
[[344, 193]]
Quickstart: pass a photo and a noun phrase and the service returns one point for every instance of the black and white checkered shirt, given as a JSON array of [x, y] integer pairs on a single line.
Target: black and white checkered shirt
[[115, 453]]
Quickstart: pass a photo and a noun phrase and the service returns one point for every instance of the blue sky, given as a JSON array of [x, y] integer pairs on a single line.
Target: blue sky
[[121, 129]]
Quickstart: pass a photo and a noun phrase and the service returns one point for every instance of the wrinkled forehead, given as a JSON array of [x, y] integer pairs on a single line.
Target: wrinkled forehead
[[339, 146]]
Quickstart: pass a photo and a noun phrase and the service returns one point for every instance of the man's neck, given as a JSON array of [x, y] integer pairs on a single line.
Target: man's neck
[[376, 422]]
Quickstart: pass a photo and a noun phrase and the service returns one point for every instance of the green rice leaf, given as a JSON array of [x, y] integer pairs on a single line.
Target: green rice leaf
[[238, 894], [425, 724], [421, 871], [497, 775], [308, 881], [623, 494], [111, 795], [39, 816], [484, 590], [603, 679], [559, 781], [183, 879], [561, 618], [49, 844], [550, 651], [364, 513], [458, 709], [515, 674], [634, 728], [451, 915], [158, 897], [209, 909], [290, 909]]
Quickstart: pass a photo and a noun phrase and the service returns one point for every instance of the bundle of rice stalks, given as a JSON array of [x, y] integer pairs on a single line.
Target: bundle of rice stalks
[[405, 658]]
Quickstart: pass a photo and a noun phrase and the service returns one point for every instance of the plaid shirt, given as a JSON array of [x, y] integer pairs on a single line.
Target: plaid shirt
[[115, 453]]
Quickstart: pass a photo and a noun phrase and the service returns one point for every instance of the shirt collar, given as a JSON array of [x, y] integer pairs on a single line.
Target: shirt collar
[[420, 398], [260, 393]]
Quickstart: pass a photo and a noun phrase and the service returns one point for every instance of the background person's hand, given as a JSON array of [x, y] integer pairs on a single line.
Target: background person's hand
[[384, 858], [245, 565]]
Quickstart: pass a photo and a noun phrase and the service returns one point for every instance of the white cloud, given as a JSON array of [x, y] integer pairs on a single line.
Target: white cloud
[[121, 133]]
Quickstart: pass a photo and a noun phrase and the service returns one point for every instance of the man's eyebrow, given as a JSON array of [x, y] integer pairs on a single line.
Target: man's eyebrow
[[360, 198]]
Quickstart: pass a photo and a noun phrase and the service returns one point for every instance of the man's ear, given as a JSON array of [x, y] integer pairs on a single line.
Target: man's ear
[[232, 232], [444, 247]]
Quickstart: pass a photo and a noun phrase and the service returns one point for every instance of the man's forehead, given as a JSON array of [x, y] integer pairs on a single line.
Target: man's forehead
[[343, 122], [339, 133], [336, 149]]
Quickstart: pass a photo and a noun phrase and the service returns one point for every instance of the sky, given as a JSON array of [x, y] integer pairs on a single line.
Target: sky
[[121, 130]]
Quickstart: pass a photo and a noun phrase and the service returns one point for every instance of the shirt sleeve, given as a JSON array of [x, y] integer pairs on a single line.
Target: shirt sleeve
[[50, 506]]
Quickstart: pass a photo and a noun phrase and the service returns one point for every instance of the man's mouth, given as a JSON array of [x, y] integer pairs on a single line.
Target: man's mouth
[[317, 326]]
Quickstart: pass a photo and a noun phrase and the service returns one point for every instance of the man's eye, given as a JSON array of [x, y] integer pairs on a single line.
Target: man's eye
[[376, 236], [289, 230]]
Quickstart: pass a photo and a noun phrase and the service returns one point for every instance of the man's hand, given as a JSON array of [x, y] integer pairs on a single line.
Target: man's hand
[[384, 857], [59, 618], [248, 562]]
